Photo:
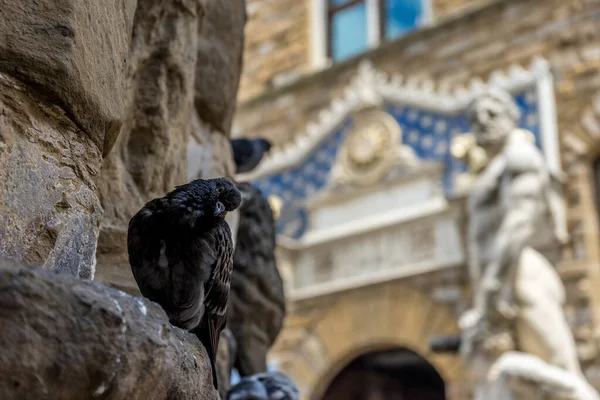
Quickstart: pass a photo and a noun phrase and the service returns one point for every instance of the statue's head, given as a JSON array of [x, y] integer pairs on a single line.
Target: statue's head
[[493, 116]]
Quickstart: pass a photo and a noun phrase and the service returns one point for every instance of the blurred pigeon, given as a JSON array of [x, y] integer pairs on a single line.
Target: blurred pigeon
[[181, 255], [279, 386], [265, 386], [247, 153], [248, 389]]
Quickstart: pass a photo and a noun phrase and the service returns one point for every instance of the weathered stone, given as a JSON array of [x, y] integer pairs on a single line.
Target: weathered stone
[[71, 339], [220, 47], [49, 212], [75, 53], [209, 152], [256, 301]]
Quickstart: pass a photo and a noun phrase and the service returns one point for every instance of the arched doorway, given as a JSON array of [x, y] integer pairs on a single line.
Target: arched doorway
[[394, 374], [388, 317]]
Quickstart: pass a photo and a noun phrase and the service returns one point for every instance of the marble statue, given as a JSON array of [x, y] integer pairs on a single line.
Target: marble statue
[[516, 337]]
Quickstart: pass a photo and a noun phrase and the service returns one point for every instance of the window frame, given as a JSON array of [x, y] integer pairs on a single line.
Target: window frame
[[331, 11], [321, 17]]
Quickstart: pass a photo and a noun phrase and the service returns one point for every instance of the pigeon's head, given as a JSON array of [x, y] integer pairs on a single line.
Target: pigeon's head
[[218, 196], [227, 196]]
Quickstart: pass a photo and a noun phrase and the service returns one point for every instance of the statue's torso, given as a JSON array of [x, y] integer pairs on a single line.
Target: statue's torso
[[488, 209]]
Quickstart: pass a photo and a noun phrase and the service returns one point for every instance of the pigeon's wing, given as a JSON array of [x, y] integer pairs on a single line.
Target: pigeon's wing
[[217, 294], [157, 256]]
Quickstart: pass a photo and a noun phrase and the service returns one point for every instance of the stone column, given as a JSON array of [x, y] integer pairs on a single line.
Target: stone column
[[62, 91]]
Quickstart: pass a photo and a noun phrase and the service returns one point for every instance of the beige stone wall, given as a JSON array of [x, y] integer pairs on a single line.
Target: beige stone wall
[[445, 8], [278, 41], [277, 44]]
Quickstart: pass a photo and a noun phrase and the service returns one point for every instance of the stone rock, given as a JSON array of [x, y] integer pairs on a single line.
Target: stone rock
[[209, 152], [257, 301], [49, 212], [220, 55], [73, 339], [75, 53]]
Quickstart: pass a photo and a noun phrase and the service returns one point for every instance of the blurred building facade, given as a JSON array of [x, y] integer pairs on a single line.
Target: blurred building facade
[[362, 99]]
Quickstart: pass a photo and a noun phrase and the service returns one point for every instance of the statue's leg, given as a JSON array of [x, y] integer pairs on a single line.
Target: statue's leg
[[541, 326], [543, 331]]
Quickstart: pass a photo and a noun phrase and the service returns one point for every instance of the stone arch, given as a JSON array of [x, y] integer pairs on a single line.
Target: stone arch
[[393, 372], [378, 317]]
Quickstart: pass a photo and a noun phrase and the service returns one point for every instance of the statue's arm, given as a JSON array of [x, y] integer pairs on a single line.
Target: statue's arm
[[521, 194]]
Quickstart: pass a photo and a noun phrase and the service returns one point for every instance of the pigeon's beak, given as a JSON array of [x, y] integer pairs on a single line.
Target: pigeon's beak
[[219, 209]]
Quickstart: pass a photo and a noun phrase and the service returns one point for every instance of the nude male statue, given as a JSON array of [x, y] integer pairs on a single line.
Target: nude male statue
[[513, 213]]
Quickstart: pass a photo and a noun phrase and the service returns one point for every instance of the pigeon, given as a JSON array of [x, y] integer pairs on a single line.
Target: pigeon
[[279, 386], [248, 389], [181, 255], [265, 386], [247, 153]]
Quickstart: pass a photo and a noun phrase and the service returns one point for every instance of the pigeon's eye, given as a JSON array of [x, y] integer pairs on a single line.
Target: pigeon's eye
[[220, 189]]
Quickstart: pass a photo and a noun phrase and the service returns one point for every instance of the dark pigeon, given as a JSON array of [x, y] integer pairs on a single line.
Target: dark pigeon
[[181, 255], [265, 386], [247, 153]]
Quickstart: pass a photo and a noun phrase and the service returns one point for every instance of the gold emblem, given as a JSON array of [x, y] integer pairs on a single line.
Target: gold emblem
[[369, 151]]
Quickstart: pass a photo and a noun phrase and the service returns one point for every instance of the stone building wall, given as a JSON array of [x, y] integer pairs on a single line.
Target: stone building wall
[[277, 45], [277, 49], [488, 38]]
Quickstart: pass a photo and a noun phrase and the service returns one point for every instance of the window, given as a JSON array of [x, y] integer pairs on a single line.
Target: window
[[345, 28], [347, 21], [400, 17]]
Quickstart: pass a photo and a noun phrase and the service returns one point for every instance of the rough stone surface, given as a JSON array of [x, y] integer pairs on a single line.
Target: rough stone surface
[[75, 53], [257, 301], [209, 152], [219, 65], [72, 339], [49, 212]]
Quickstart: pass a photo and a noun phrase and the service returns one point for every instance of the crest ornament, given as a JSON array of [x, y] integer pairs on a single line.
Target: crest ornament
[[369, 151]]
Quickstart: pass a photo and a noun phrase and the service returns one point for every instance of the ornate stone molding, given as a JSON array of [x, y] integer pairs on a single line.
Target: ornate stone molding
[[371, 88], [582, 146]]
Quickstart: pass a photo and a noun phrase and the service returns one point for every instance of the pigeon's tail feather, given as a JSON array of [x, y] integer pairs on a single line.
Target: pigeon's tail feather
[[210, 340]]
